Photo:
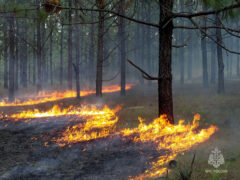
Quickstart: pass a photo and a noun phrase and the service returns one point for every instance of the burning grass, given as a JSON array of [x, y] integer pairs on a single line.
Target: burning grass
[[101, 123], [44, 96]]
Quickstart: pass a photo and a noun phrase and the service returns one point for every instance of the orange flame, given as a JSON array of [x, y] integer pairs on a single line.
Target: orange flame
[[101, 123], [175, 138], [43, 96]]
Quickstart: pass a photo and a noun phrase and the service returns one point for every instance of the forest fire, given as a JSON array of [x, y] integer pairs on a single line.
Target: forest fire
[[101, 123], [56, 111], [172, 138], [44, 96]]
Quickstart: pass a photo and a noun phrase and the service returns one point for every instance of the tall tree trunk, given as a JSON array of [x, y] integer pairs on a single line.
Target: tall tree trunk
[[221, 88], [213, 63], [5, 56], [34, 60], [137, 46], [29, 72], [149, 41], [181, 59], [70, 46], [51, 55], [190, 59], [91, 51], [24, 58], [16, 56], [44, 58], [61, 58], [204, 62], [39, 56], [11, 95], [182, 51], [165, 99], [122, 48], [100, 53], [77, 49]]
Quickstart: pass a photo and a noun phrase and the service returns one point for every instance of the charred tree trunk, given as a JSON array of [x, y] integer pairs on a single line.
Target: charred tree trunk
[[100, 53], [165, 99], [11, 96], [122, 48], [61, 57], [70, 46], [221, 88], [5, 56]]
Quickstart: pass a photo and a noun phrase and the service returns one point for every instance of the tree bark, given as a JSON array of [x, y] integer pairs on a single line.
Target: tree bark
[[91, 51], [165, 99], [61, 58], [39, 57], [181, 59], [5, 56], [77, 49], [51, 58], [100, 53], [182, 51], [34, 60], [122, 48], [11, 95], [221, 88], [190, 59], [213, 63], [70, 46], [16, 56], [204, 62]]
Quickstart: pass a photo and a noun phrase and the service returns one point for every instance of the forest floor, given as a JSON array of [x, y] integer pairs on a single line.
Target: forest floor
[[23, 154]]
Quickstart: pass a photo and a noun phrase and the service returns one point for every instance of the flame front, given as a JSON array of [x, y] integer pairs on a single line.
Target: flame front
[[44, 97], [100, 123], [172, 138]]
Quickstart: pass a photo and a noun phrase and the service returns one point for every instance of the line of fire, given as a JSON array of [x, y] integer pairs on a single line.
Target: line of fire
[[119, 89]]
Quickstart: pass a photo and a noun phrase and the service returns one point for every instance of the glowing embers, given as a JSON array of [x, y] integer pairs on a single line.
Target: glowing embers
[[173, 138], [44, 97]]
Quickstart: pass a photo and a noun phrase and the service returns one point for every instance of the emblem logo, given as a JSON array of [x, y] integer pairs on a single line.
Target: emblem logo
[[216, 158]]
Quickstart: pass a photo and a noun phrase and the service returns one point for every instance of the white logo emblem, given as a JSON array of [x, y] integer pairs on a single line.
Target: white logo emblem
[[216, 158]]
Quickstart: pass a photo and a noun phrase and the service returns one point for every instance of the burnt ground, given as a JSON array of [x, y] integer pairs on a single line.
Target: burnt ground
[[27, 152], [25, 157]]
